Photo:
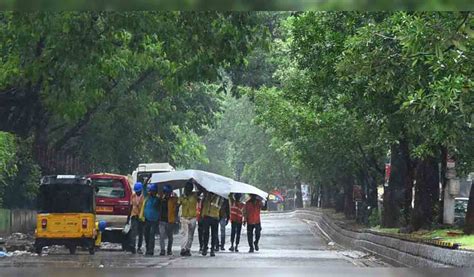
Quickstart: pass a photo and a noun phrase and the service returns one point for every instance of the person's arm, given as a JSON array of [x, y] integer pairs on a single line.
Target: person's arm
[[227, 210], [265, 207]]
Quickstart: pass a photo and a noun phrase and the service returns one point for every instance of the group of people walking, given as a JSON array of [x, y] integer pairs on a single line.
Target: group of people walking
[[154, 212]]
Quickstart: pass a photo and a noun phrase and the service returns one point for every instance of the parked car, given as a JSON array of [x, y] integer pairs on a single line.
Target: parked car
[[113, 204]]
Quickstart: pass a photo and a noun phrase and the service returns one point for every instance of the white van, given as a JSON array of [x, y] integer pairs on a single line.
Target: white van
[[144, 171]]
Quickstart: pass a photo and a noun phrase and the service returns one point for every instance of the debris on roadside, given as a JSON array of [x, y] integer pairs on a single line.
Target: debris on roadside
[[22, 253], [18, 236], [4, 254]]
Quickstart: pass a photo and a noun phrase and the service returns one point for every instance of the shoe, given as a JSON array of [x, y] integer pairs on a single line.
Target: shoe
[[204, 252], [236, 249], [200, 249], [183, 252], [222, 248], [187, 253], [231, 249], [213, 254], [256, 247], [149, 254], [169, 252], [139, 251], [216, 249], [251, 250], [162, 252]]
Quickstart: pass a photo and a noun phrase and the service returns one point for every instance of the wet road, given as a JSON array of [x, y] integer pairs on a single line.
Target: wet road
[[286, 242]]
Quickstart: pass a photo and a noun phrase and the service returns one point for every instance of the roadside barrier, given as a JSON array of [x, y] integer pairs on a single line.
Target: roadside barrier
[[392, 248]]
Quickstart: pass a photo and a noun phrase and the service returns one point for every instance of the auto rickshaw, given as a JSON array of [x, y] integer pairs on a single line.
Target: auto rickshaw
[[66, 213]]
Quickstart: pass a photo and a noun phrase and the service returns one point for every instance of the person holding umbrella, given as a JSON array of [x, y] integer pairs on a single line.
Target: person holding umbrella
[[168, 219], [210, 215], [252, 218], [188, 202], [150, 215], [236, 218], [137, 224]]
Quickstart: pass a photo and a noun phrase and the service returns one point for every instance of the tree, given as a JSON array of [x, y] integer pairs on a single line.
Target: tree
[[117, 87]]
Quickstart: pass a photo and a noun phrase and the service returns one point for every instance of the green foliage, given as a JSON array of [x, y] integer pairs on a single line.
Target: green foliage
[[236, 140], [119, 88], [8, 167], [19, 175], [374, 218]]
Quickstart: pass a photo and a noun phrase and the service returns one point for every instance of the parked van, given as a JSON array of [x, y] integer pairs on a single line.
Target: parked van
[[144, 171]]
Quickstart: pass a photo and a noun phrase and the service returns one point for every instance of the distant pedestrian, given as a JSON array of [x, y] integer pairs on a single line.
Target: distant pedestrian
[[210, 215], [168, 219], [136, 224], [188, 202], [150, 215], [224, 215], [236, 219], [252, 218]]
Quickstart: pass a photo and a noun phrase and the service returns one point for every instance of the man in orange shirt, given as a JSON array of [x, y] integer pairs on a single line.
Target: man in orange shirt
[[252, 218]]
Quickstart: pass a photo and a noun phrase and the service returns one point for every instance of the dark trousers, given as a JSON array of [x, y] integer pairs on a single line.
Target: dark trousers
[[136, 230], [200, 233], [236, 229], [258, 228], [151, 227], [211, 225]]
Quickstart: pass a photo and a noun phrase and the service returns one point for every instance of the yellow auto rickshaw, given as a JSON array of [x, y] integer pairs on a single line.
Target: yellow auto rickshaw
[[66, 213]]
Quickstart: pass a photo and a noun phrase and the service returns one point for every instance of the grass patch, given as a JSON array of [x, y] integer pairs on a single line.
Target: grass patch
[[385, 230], [446, 235]]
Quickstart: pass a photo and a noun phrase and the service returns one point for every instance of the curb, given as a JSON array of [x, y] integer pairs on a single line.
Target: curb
[[394, 250]]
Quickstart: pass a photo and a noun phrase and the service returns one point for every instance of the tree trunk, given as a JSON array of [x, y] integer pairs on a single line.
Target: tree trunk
[[426, 193], [372, 195], [299, 196], [469, 221], [349, 205], [394, 198], [444, 181]]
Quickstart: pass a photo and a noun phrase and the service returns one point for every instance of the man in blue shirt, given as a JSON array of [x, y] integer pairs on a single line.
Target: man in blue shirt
[[150, 214]]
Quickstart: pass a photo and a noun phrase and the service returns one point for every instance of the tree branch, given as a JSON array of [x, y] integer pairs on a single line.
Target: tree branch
[[79, 126], [369, 162]]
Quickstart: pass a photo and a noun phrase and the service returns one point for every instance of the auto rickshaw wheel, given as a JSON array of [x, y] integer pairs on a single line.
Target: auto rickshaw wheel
[[92, 250], [38, 249], [72, 249]]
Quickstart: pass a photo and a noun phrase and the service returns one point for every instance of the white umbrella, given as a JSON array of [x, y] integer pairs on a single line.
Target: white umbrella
[[239, 187], [211, 182]]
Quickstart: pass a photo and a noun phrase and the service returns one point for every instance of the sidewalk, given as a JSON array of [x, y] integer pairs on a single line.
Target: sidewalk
[[396, 249]]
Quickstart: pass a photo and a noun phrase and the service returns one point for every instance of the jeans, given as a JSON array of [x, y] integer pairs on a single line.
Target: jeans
[[200, 235], [250, 228], [150, 230], [136, 230], [222, 224], [166, 232], [188, 225], [236, 228], [212, 224]]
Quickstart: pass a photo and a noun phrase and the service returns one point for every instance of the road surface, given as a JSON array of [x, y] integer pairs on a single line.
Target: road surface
[[286, 242]]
